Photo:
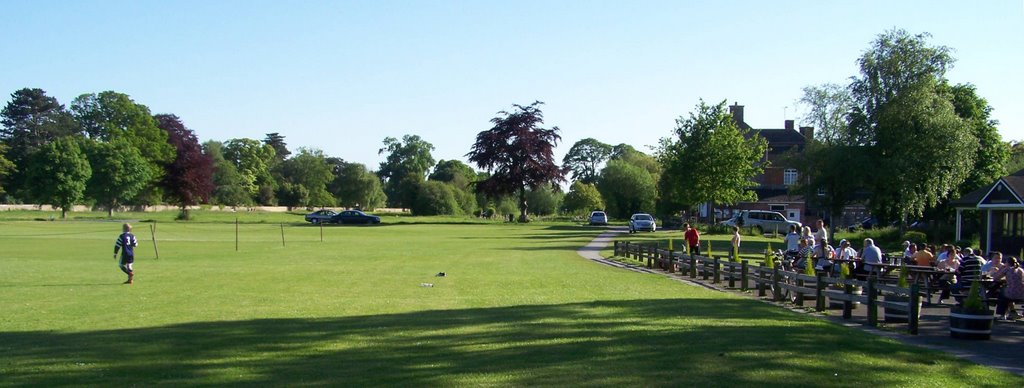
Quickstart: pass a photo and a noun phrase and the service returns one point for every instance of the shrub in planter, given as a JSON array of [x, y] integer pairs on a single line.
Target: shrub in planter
[[900, 316], [972, 320], [844, 273]]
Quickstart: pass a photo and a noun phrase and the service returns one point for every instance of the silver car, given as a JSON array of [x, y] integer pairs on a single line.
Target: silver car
[[598, 217], [762, 220], [642, 221]]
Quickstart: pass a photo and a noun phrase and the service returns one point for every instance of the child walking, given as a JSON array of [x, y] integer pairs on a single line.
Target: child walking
[[126, 243]]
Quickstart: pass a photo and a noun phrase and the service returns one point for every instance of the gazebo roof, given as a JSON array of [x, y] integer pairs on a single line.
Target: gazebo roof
[[1007, 192]]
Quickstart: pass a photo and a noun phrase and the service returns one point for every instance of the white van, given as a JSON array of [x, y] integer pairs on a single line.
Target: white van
[[763, 220]]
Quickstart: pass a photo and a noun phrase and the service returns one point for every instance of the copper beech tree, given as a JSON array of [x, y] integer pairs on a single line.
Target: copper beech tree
[[518, 154], [188, 179]]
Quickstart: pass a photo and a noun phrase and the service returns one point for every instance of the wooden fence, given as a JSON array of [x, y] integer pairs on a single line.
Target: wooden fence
[[900, 304]]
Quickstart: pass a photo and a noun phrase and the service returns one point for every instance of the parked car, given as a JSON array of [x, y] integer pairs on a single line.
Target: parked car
[[762, 220], [642, 221], [865, 223], [872, 222], [598, 217], [323, 215], [354, 217]]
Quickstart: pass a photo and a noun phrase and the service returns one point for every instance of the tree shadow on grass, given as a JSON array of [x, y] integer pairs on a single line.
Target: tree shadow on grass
[[666, 342], [110, 284]]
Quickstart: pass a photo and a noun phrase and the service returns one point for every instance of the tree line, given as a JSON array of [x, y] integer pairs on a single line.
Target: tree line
[[899, 137], [108, 151]]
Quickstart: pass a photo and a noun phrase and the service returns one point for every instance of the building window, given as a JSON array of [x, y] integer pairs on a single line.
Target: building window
[[789, 176], [777, 208]]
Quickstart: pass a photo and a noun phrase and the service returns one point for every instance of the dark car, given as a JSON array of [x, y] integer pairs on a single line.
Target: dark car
[[354, 217], [319, 216]]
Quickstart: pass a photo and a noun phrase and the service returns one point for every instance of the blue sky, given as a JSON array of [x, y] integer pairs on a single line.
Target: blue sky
[[340, 75]]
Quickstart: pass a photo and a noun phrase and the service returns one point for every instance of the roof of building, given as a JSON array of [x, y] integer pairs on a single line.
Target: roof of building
[[781, 139], [1014, 182]]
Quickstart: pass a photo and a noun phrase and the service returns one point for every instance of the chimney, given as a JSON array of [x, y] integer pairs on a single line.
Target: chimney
[[808, 132], [737, 113], [789, 126]]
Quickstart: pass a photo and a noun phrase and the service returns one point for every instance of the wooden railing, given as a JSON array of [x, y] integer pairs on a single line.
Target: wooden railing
[[785, 285]]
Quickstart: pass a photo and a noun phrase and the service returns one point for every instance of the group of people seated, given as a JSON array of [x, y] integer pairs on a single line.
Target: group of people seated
[[954, 268], [957, 268], [813, 248]]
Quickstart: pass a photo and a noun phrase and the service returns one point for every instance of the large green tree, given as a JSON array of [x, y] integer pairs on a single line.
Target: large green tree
[[406, 165], [1015, 162], [582, 199], [710, 159], [827, 107], [992, 153], [824, 161], [518, 153], [922, 151], [276, 140], [452, 170], [827, 169], [253, 159], [118, 173], [627, 188], [60, 171], [109, 115], [435, 198], [229, 186], [29, 121], [585, 157], [545, 200], [354, 185], [460, 177], [6, 167], [310, 170]]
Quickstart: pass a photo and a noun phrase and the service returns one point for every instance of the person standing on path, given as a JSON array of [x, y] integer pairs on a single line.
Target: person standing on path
[[692, 237], [735, 252], [126, 244]]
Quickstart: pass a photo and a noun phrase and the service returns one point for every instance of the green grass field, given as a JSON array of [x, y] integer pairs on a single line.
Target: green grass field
[[518, 307]]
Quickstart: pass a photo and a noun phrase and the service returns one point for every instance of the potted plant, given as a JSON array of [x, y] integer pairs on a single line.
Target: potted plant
[[900, 316], [973, 319]]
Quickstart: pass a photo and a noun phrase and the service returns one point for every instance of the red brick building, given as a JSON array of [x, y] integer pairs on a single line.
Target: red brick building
[[774, 184]]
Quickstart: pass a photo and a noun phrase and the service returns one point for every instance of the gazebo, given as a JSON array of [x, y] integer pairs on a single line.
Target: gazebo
[[1001, 206]]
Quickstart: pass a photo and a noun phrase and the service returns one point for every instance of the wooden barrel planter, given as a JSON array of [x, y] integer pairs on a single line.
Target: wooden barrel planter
[[970, 325], [899, 316]]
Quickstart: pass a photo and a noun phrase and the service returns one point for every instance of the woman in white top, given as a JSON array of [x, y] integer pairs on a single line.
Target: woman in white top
[[847, 254], [805, 234], [822, 233], [947, 268], [735, 242]]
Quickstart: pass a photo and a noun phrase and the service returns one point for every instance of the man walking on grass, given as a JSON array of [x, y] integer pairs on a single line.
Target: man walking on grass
[[126, 243]]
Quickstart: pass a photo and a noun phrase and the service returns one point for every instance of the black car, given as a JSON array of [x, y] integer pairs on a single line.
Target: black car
[[354, 217], [320, 216]]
